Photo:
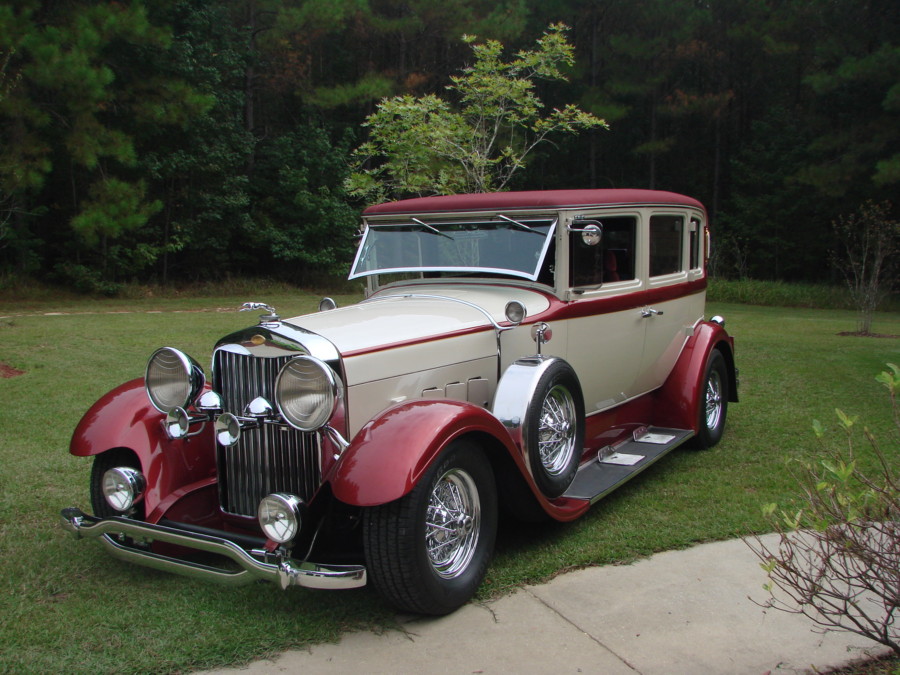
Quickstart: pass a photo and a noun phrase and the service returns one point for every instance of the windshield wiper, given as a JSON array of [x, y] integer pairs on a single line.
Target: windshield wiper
[[518, 225], [431, 228]]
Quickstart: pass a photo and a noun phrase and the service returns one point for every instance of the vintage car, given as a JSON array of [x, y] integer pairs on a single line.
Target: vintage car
[[530, 351]]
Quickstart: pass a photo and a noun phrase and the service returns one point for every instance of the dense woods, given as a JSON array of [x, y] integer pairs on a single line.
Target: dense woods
[[180, 140]]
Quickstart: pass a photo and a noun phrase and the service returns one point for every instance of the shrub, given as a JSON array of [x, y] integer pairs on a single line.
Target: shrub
[[838, 552]]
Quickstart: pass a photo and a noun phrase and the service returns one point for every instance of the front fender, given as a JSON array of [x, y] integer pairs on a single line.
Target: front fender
[[678, 399], [391, 452], [124, 418]]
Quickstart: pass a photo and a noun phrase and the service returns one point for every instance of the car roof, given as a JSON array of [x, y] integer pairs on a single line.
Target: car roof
[[537, 199]]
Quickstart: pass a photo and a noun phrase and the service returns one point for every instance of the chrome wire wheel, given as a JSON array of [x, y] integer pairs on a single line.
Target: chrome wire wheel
[[712, 402], [713, 399], [452, 523], [556, 430]]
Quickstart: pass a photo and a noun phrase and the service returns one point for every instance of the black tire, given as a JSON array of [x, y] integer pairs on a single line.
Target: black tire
[[554, 429], [429, 551], [102, 463], [712, 403]]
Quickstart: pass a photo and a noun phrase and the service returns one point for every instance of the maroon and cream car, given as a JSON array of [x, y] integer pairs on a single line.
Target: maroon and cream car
[[529, 351]]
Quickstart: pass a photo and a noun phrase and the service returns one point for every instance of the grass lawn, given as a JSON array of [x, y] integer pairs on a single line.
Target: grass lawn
[[66, 606]]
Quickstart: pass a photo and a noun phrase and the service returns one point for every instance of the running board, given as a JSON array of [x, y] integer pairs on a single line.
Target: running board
[[613, 467]]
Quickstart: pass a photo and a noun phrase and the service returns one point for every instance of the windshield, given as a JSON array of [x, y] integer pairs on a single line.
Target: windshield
[[501, 246]]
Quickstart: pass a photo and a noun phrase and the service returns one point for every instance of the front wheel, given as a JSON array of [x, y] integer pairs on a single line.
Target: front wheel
[[713, 402], [428, 552]]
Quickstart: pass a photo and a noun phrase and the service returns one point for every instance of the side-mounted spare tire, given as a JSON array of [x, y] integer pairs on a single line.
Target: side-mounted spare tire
[[553, 429]]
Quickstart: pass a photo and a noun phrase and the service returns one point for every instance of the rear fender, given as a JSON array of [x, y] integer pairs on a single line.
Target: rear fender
[[124, 418], [678, 399], [390, 453]]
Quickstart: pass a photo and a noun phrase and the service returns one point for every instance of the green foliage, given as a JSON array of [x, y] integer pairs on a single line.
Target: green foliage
[[302, 213], [781, 294], [778, 116], [113, 207], [838, 556], [428, 145], [769, 228]]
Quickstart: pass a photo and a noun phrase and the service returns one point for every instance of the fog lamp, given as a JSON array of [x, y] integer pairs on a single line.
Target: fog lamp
[[123, 487], [279, 516]]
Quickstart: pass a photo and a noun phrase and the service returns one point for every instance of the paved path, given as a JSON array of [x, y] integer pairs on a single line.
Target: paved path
[[681, 612]]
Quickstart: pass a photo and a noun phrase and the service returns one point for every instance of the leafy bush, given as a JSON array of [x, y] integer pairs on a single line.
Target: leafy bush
[[838, 553], [86, 280]]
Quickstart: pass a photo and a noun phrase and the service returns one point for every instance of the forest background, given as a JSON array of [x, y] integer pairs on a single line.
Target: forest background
[[160, 141]]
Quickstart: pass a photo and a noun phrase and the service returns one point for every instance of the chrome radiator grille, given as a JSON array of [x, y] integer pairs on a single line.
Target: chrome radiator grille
[[273, 458]]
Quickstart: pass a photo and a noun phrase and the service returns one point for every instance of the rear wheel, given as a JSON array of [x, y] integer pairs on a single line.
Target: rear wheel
[[713, 402], [428, 552]]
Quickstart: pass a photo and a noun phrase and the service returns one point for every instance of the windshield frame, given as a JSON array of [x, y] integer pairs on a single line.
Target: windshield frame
[[524, 225]]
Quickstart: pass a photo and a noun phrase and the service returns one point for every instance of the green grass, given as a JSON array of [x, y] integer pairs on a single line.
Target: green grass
[[66, 606], [782, 294]]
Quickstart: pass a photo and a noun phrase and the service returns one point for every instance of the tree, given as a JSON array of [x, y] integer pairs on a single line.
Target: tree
[[429, 145], [88, 94], [856, 106], [868, 242]]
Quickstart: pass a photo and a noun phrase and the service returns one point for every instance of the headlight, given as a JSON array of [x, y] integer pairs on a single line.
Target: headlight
[[306, 392], [172, 379], [279, 516], [122, 487]]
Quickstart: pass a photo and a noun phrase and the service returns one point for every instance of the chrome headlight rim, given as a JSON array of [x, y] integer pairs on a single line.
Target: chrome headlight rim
[[280, 516], [123, 487], [170, 368], [307, 393]]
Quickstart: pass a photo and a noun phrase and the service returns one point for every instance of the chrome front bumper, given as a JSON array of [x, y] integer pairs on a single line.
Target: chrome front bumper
[[285, 571]]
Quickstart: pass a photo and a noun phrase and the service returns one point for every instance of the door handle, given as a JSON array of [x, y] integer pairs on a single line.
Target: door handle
[[647, 312]]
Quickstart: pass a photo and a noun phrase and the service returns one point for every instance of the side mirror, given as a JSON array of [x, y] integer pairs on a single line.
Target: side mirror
[[591, 231]]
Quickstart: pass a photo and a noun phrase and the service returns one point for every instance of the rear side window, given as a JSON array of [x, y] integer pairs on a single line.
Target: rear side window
[[666, 237], [609, 261], [695, 231]]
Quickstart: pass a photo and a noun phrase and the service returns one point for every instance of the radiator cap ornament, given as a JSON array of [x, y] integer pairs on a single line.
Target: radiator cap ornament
[[270, 319]]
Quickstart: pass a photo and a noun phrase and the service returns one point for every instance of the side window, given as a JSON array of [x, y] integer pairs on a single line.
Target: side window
[[611, 260], [695, 231], [666, 237]]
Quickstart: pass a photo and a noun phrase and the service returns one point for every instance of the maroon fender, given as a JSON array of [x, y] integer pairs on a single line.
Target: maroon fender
[[677, 400], [124, 418], [390, 453]]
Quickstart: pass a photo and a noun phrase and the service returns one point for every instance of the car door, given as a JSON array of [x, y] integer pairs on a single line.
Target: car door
[[674, 304], [605, 331]]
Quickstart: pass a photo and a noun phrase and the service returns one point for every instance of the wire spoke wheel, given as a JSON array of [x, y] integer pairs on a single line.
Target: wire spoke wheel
[[712, 402], [428, 551], [553, 428], [556, 431], [452, 523], [713, 399]]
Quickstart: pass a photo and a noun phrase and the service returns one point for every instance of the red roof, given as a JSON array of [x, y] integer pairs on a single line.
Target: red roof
[[538, 199]]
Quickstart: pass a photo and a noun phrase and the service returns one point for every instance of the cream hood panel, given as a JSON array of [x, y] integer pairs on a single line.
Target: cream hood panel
[[400, 315], [375, 325]]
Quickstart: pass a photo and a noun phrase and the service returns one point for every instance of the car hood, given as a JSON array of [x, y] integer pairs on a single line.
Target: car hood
[[393, 317]]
